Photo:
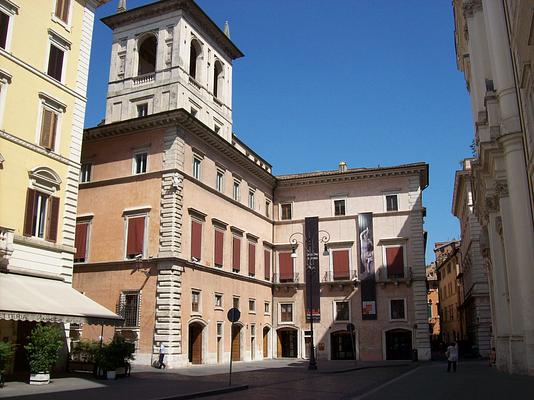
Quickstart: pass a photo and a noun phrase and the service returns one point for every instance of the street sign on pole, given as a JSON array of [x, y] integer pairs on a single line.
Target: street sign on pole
[[233, 316]]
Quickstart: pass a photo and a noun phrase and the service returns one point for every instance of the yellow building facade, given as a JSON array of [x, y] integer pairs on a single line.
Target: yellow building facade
[[44, 63]]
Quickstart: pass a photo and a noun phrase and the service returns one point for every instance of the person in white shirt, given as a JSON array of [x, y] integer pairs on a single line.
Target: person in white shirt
[[162, 352], [452, 356]]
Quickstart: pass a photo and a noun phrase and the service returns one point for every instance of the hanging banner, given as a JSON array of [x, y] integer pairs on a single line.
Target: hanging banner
[[313, 288], [367, 265]]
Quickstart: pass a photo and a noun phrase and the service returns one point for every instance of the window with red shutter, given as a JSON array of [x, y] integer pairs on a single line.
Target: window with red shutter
[[285, 267], [31, 199], [219, 248], [395, 261], [196, 240], [80, 242], [48, 129], [136, 237], [267, 264], [236, 254], [62, 10], [251, 259], [52, 219], [340, 261]]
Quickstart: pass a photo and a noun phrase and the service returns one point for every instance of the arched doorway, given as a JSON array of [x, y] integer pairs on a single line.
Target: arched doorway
[[147, 55], [195, 342], [266, 331], [287, 345], [342, 345], [398, 344], [236, 342]]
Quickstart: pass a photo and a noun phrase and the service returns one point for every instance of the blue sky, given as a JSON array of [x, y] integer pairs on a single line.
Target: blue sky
[[370, 83]]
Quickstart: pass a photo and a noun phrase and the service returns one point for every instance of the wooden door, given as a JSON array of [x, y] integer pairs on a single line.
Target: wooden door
[[236, 343], [195, 344], [279, 344], [266, 343]]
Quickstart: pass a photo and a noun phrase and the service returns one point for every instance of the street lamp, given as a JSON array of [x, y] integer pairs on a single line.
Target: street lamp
[[311, 266]]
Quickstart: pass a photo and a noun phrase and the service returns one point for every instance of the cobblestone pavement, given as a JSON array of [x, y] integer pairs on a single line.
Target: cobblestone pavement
[[279, 379]]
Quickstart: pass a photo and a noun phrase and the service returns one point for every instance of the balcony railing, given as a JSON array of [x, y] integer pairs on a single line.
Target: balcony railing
[[144, 79], [388, 276], [286, 278], [333, 276]]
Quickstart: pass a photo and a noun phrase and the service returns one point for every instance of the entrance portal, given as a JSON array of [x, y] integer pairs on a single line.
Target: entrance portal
[[266, 342], [236, 342], [287, 343], [398, 344], [195, 343], [342, 345]]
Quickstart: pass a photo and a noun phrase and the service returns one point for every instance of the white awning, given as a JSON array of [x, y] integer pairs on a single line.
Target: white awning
[[30, 298]]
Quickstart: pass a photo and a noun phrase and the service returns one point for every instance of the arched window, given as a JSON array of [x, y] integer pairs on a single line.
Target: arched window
[[217, 79], [194, 59], [147, 55]]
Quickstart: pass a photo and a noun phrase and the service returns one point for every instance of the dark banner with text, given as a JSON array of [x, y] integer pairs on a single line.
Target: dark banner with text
[[313, 289], [367, 265]]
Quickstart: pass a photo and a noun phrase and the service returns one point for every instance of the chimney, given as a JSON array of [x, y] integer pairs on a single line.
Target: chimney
[[342, 166], [122, 6], [227, 29]]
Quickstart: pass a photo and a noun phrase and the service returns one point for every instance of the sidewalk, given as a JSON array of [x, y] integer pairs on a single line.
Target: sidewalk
[[147, 383]]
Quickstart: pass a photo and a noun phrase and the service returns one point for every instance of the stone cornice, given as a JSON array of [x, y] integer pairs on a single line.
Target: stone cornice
[[166, 6], [185, 120]]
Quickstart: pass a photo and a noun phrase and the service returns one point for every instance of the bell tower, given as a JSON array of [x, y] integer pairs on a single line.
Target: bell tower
[[169, 55]]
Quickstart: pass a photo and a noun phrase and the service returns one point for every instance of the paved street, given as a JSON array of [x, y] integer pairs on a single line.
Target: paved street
[[279, 379]]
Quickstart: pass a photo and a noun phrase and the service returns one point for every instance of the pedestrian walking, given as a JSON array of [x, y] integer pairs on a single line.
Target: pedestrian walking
[[493, 357], [452, 356], [162, 352]]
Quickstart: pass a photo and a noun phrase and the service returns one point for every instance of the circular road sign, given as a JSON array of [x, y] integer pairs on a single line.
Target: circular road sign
[[233, 315]]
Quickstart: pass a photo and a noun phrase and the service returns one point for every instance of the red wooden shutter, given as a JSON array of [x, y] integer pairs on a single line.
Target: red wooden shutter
[[30, 212], [219, 246], [48, 129], [236, 254], [267, 263], [285, 266], [52, 219], [136, 236], [395, 261], [80, 241], [251, 259], [340, 259], [4, 24], [196, 239]]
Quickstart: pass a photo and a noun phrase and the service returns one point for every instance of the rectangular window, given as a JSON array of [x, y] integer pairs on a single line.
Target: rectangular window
[[339, 207], [341, 264], [218, 300], [285, 267], [235, 302], [55, 62], [286, 312], [251, 259], [49, 125], [236, 254], [4, 26], [392, 202], [136, 237], [252, 305], [42, 215], [236, 190], [196, 240], [267, 264], [142, 110], [140, 162], [395, 262], [219, 329], [195, 301], [85, 172], [267, 307], [129, 308], [285, 211], [80, 241], [196, 167], [252, 330], [219, 248], [397, 309], [62, 10], [251, 199], [219, 181], [268, 209], [342, 311]]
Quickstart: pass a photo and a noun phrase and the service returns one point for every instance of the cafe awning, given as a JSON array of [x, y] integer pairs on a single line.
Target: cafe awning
[[31, 298]]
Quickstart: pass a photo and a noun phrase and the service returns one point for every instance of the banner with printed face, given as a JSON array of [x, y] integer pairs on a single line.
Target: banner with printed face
[[367, 265], [313, 288]]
